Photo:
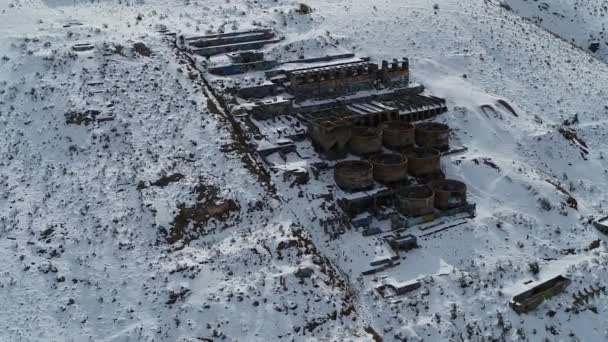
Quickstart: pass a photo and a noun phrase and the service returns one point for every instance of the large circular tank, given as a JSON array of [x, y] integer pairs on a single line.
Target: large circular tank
[[389, 167], [365, 140], [354, 175], [433, 135], [449, 194], [398, 134], [416, 200], [422, 161]]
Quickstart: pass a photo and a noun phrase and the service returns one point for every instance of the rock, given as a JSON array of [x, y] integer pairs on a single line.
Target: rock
[[304, 272], [291, 305], [142, 49], [594, 47]]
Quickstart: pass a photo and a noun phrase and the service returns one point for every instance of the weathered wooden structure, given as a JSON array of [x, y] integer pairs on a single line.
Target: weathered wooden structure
[[532, 298]]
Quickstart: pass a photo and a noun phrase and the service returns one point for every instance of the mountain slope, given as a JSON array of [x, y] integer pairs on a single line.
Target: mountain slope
[[106, 153], [581, 22]]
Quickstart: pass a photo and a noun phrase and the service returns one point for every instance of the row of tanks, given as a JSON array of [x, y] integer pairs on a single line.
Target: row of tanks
[[414, 201], [422, 200], [387, 168], [366, 140], [414, 159], [415, 150]]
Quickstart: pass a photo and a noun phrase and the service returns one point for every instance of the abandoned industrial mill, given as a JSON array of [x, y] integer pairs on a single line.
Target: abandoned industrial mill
[[273, 170], [362, 129]]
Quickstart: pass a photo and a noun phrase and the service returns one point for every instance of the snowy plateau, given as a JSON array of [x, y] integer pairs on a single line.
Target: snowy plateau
[[133, 207]]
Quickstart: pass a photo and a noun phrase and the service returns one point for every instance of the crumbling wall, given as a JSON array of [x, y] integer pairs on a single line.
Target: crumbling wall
[[533, 297], [333, 81], [331, 137]]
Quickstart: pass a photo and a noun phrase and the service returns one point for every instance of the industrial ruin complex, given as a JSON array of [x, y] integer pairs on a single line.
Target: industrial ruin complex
[[362, 127]]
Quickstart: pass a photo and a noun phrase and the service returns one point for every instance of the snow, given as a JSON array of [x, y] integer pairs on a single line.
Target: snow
[[84, 245]]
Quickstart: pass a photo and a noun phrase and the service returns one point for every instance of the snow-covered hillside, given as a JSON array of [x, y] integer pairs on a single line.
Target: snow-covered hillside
[[133, 208], [581, 22]]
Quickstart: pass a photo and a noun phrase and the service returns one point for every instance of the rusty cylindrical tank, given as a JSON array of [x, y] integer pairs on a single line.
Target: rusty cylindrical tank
[[416, 200], [449, 194], [389, 167], [365, 140], [422, 161], [398, 134], [354, 175], [433, 135]]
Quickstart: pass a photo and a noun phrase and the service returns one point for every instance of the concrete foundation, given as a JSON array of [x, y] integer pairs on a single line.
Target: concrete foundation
[[391, 290], [398, 134], [422, 161], [416, 200], [354, 175], [389, 168], [365, 140], [433, 135], [449, 194]]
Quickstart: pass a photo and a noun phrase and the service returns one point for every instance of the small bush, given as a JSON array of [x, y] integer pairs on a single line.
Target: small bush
[[304, 9], [545, 204], [534, 267]]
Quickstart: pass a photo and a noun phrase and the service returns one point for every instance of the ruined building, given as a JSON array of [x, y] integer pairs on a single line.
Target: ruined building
[[330, 129], [342, 79], [214, 44], [532, 298], [350, 108]]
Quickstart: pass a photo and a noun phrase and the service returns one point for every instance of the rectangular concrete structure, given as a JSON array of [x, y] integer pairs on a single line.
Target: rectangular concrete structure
[[214, 44], [338, 80]]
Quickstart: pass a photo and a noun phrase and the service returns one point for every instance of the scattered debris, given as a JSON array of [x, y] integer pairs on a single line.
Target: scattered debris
[[82, 47], [180, 294], [86, 117], [571, 136], [166, 180], [584, 296]]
